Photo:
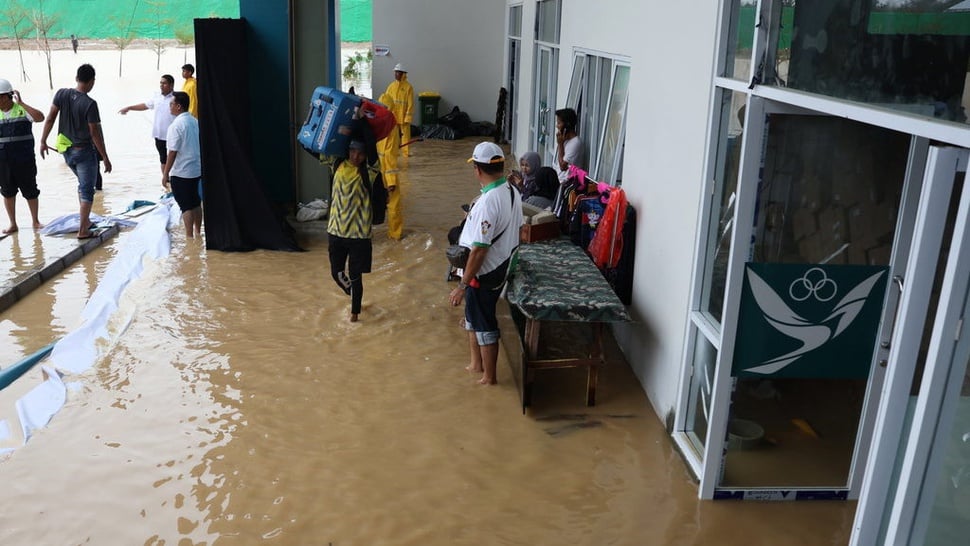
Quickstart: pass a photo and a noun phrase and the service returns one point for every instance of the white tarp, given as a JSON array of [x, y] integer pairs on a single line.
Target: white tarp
[[77, 351]]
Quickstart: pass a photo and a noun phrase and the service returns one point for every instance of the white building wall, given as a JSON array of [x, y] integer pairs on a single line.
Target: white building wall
[[671, 48], [454, 47]]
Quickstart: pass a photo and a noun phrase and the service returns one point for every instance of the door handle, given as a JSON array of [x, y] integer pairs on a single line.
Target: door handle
[[885, 344]]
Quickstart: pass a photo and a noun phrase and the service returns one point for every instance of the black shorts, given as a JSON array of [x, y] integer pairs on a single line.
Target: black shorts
[[160, 145], [186, 192], [18, 175]]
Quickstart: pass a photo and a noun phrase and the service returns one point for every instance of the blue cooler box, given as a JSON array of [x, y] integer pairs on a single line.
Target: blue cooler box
[[328, 123]]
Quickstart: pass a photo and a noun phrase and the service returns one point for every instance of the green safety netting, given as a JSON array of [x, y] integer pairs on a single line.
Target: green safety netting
[[158, 19]]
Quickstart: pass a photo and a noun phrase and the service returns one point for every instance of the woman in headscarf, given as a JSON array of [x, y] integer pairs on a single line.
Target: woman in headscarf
[[525, 179], [546, 184]]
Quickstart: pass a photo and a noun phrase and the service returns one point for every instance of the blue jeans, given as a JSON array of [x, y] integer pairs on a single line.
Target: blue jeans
[[83, 162]]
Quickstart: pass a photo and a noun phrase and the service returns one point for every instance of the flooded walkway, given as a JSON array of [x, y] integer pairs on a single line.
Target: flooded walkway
[[236, 404]]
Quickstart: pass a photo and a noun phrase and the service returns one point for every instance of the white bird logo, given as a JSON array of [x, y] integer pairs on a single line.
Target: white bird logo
[[811, 335]]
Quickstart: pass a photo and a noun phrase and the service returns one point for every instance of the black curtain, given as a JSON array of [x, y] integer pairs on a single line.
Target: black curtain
[[238, 213]]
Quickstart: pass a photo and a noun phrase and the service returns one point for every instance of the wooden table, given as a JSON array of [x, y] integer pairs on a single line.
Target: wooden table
[[555, 281]]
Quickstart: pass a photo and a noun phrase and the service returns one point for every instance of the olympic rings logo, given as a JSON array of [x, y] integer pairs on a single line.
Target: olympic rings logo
[[814, 283]]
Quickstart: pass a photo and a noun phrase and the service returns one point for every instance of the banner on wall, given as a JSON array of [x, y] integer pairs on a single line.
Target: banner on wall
[[808, 320]]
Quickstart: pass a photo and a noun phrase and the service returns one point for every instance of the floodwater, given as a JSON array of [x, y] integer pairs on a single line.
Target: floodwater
[[234, 402]]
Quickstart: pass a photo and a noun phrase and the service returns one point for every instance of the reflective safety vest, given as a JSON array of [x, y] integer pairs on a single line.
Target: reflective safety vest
[[16, 135]]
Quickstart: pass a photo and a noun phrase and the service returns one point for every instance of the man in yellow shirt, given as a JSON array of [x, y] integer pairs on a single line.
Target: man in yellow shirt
[[188, 72], [401, 102]]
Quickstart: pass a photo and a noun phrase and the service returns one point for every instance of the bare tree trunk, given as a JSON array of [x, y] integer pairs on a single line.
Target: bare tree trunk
[[23, 68]]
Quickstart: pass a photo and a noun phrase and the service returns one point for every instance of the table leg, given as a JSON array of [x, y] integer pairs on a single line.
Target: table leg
[[596, 354], [532, 353]]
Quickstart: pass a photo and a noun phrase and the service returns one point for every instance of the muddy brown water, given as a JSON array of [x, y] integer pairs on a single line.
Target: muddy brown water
[[235, 404]]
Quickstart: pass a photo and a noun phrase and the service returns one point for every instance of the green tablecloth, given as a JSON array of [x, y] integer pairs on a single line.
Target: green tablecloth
[[555, 280]]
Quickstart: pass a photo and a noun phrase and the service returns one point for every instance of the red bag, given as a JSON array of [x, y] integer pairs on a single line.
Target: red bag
[[607, 243], [379, 117]]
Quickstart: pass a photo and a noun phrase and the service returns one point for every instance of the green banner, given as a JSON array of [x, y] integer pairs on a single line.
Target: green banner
[[808, 320]]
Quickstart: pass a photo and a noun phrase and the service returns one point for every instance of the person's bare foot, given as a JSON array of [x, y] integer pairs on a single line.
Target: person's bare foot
[[11, 229], [353, 317], [485, 380], [473, 369], [38, 225]]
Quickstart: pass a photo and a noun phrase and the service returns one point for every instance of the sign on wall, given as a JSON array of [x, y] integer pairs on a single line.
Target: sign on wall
[[808, 320]]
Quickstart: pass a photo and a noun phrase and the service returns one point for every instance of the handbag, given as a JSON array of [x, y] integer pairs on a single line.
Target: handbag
[[457, 255]]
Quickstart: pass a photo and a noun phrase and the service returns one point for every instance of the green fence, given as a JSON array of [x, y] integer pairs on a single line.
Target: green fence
[[355, 20], [101, 19], [155, 19]]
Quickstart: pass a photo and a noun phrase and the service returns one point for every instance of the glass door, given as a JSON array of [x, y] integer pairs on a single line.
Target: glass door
[[819, 227], [512, 63], [543, 118], [914, 491]]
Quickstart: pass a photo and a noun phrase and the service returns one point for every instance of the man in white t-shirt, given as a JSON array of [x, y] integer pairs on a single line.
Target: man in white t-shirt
[[183, 164], [159, 102], [492, 233]]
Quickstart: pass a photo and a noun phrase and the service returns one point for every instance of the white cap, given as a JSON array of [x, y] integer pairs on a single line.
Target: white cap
[[5, 87], [487, 152], [399, 67]]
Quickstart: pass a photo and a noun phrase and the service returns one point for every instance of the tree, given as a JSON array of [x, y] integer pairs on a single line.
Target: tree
[[159, 24], [185, 36], [43, 23], [122, 43], [14, 16]]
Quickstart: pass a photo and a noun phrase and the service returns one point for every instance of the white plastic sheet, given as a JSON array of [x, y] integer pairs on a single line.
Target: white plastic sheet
[[37, 407], [77, 351]]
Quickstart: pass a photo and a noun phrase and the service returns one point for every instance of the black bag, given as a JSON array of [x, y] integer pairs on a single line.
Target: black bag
[[457, 256], [378, 200], [494, 279]]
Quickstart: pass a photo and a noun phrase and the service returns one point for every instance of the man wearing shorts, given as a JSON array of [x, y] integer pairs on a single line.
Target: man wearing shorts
[[18, 167], [79, 139], [492, 233], [163, 118], [183, 163]]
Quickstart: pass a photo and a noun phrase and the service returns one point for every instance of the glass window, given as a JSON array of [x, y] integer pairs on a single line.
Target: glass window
[[515, 21], [830, 191], [608, 168], [576, 82], [740, 32], [721, 223], [909, 56], [949, 517], [701, 384], [547, 27]]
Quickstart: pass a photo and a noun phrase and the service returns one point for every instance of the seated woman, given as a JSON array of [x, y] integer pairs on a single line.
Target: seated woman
[[524, 180], [547, 186]]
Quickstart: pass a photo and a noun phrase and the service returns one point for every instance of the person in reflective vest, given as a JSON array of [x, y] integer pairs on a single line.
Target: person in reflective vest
[[18, 166]]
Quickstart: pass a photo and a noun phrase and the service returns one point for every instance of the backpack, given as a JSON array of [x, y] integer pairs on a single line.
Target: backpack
[[378, 200]]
